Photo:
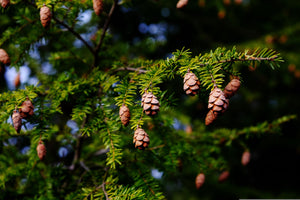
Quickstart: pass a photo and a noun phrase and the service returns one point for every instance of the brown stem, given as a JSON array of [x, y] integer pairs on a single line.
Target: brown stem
[[140, 71], [105, 27], [74, 33]]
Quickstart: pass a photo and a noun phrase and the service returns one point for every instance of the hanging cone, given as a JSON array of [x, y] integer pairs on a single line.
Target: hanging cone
[[217, 101], [141, 139], [200, 179], [124, 114], [27, 109], [150, 104], [41, 150], [45, 16], [210, 117], [5, 3], [223, 176], [245, 158], [17, 80], [231, 88], [4, 58], [98, 6], [17, 121], [191, 84], [181, 4]]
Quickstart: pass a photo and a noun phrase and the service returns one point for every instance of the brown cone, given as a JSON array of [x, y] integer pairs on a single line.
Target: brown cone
[[210, 117], [245, 158], [41, 150], [140, 139], [124, 114], [150, 104], [223, 176], [191, 84], [27, 109], [200, 179], [5, 3], [4, 58], [98, 6], [17, 121], [45, 16], [217, 101], [17, 80], [231, 88], [181, 3]]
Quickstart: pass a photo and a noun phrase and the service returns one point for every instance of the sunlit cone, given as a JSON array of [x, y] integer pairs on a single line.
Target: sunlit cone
[[45, 16], [245, 158], [41, 150], [210, 117], [17, 120], [200, 179], [98, 6], [4, 58], [217, 101], [223, 176], [191, 84], [181, 3], [150, 104], [232, 87], [140, 139], [5, 3], [27, 109], [124, 114], [17, 80]]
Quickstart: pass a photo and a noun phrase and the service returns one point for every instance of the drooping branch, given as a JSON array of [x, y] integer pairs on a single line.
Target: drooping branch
[[74, 33]]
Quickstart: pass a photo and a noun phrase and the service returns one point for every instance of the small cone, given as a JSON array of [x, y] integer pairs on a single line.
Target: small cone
[[141, 139], [5, 3], [124, 114], [245, 158], [217, 101], [231, 88], [223, 176], [17, 81], [200, 179], [210, 117], [150, 104], [191, 84], [17, 121], [41, 150], [181, 4], [98, 6], [4, 58], [27, 109], [45, 16]]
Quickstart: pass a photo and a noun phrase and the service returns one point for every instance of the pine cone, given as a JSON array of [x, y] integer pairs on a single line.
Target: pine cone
[[5, 3], [210, 117], [200, 179], [181, 3], [4, 58], [140, 139], [17, 121], [231, 88], [41, 150], [17, 80], [245, 158], [124, 114], [191, 84], [217, 101], [27, 109], [45, 16], [150, 104], [223, 176], [98, 6]]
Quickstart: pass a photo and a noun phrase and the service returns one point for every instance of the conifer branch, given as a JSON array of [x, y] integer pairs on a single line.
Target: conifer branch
[[74, 33]]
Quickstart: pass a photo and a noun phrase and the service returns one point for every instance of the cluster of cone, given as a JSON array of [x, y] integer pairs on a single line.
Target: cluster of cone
[[24, 112], [219, 100]]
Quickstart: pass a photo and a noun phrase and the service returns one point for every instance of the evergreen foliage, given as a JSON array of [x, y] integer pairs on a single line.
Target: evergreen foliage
[[92, 76]]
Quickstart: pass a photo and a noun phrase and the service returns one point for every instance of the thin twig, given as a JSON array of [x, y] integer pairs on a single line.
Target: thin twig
[[146, 182], [157, 147], [140, 71], [74, 33], [104, 191], [105, 27]]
